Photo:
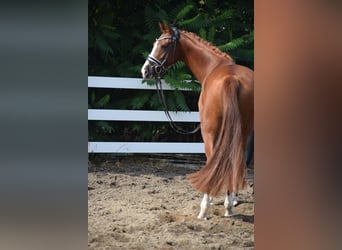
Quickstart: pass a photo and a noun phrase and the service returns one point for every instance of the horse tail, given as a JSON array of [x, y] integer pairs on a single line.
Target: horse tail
[[225, 169]]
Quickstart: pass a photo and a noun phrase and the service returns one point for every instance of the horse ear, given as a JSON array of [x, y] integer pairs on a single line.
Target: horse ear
[[161, 27], [167, 27]]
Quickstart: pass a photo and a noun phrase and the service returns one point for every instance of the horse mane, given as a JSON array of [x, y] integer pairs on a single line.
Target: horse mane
[[207, 44]]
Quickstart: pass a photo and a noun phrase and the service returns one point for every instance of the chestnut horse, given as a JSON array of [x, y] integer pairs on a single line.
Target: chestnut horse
[[225, 107]]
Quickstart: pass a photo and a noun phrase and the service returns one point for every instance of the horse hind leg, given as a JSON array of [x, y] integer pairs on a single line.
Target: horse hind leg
[[235, 199], [211, 201], [204, 207], [229, 202]]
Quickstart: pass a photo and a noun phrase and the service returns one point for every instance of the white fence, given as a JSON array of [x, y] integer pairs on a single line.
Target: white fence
[[137, 115]]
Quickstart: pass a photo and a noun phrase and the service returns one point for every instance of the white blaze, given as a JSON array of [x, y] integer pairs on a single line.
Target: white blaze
[[143, 71]]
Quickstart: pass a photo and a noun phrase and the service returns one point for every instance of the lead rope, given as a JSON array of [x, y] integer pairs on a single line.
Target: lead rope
[[162, 100]]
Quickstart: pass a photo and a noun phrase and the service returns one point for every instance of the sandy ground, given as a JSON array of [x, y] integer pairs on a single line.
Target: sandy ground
[[144, 203]]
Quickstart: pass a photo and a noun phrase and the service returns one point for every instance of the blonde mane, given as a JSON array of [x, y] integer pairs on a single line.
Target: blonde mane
[[207, 44]]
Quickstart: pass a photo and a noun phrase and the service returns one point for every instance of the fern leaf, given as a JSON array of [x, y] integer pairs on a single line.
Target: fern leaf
[[162, 15], [102, 44], [225, 15], [154, 102], [109, 32], [173, 13], [150, 18], [190, 21], [105, 127], [140, 100], [211, 33], [234, 44], [171, 101], [184, 11], [238, 42], [92, 97], [149, 81], [181, 102], [178, 65], [103, 101], [202, 33]]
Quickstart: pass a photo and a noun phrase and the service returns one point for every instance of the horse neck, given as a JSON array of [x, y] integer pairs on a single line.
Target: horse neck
[[200, 58]]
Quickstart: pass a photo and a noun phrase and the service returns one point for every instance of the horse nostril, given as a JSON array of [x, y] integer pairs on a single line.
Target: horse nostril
[[144, 72]]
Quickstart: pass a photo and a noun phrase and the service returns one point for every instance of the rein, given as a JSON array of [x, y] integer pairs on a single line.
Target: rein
[[162, 100], [159, 69]]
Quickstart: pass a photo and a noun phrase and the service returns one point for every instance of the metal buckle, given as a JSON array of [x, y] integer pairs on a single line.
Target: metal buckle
[[158, 69]]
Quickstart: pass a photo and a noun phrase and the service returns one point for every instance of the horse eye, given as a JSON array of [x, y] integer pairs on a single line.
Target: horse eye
[[164, 46]]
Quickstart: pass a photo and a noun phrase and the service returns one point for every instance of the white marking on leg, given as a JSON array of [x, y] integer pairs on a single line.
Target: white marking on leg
[[211, 201], [228, 204], [204, 207], [235, 200]]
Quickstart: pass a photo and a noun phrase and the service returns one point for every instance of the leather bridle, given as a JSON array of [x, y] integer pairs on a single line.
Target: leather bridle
[[158, 65]]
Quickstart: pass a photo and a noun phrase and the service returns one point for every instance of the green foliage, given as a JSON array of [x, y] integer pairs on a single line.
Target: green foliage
[[139, 100], [213, 21], [121, 35], [183, 11], [100, 103], [99, 128]]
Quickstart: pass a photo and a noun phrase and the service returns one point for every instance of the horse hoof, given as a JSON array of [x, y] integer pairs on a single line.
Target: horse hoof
[[227, 215], [202, 217]]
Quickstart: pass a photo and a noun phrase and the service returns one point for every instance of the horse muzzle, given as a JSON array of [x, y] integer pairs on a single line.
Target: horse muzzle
[[149, 71]]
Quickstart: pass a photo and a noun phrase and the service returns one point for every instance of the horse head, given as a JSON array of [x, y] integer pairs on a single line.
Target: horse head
[[163, 52]]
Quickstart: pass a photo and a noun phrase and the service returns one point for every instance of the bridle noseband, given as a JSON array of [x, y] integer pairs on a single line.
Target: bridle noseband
[[158, 66]]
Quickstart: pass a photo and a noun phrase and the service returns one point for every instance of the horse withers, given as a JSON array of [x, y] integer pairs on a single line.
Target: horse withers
[[226, 109]]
